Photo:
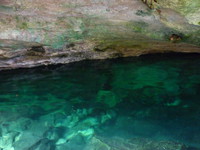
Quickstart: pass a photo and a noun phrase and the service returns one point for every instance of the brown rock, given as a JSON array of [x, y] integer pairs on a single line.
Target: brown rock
[[175, 38]]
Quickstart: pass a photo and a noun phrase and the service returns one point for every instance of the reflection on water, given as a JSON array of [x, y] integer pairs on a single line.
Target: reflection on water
[[77, 106]]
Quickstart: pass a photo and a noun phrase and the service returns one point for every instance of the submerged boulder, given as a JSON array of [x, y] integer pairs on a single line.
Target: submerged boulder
[[116, 143], [108, 98]]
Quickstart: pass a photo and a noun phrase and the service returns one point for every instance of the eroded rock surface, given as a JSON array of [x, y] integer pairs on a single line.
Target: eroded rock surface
[[34, 33]]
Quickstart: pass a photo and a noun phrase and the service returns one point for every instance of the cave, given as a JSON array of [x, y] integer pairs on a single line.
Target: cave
[[99, 75]]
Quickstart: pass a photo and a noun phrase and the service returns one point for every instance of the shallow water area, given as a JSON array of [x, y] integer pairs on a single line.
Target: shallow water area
[[88, 105]]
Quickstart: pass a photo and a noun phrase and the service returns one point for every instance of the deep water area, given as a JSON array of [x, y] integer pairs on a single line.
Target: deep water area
[[83, 105]]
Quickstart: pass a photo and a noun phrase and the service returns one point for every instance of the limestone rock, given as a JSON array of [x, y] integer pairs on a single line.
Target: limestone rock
[[34, 33], [117, 143]]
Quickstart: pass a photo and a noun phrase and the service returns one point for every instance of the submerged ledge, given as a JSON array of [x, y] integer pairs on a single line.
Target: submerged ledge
[[19, 54]]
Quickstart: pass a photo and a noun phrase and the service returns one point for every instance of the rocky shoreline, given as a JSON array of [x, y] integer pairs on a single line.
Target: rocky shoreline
[[18, 54]]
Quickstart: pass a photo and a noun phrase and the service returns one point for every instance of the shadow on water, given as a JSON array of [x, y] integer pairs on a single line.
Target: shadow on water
[[155, 97]]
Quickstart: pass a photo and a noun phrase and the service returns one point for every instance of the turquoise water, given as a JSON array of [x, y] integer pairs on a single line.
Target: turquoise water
[[155, 97]]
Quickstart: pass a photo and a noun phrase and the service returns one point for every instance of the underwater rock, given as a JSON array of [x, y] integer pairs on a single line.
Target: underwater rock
[[26, 140], [76, 143], [141, 77], [38, 120], [55, 133], [19, 125], [148, 76], [97, 144], [146, 85], [116, 143], [43, 144], [108, 98], [107, 116], [7, 140]]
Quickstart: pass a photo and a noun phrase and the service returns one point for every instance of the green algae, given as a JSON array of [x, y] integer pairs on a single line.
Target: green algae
[[59, 41], [71, 5], [138, 26], [119, 44], [94, 28], [192, 37], [143, 13], [5, 8], [145, 30], [22, 25]]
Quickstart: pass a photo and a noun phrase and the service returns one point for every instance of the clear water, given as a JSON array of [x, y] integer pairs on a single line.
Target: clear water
[[155, 97]]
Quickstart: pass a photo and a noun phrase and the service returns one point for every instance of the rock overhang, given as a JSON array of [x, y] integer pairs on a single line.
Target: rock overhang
[[103, 29]]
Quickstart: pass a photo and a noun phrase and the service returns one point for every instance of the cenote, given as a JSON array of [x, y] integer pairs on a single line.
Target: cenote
[[85, 105]]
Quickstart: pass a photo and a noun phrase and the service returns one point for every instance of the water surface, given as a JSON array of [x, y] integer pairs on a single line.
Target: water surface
[[63, 107]]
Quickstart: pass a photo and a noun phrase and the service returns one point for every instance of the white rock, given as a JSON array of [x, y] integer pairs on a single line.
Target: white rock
[[61, 141]]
